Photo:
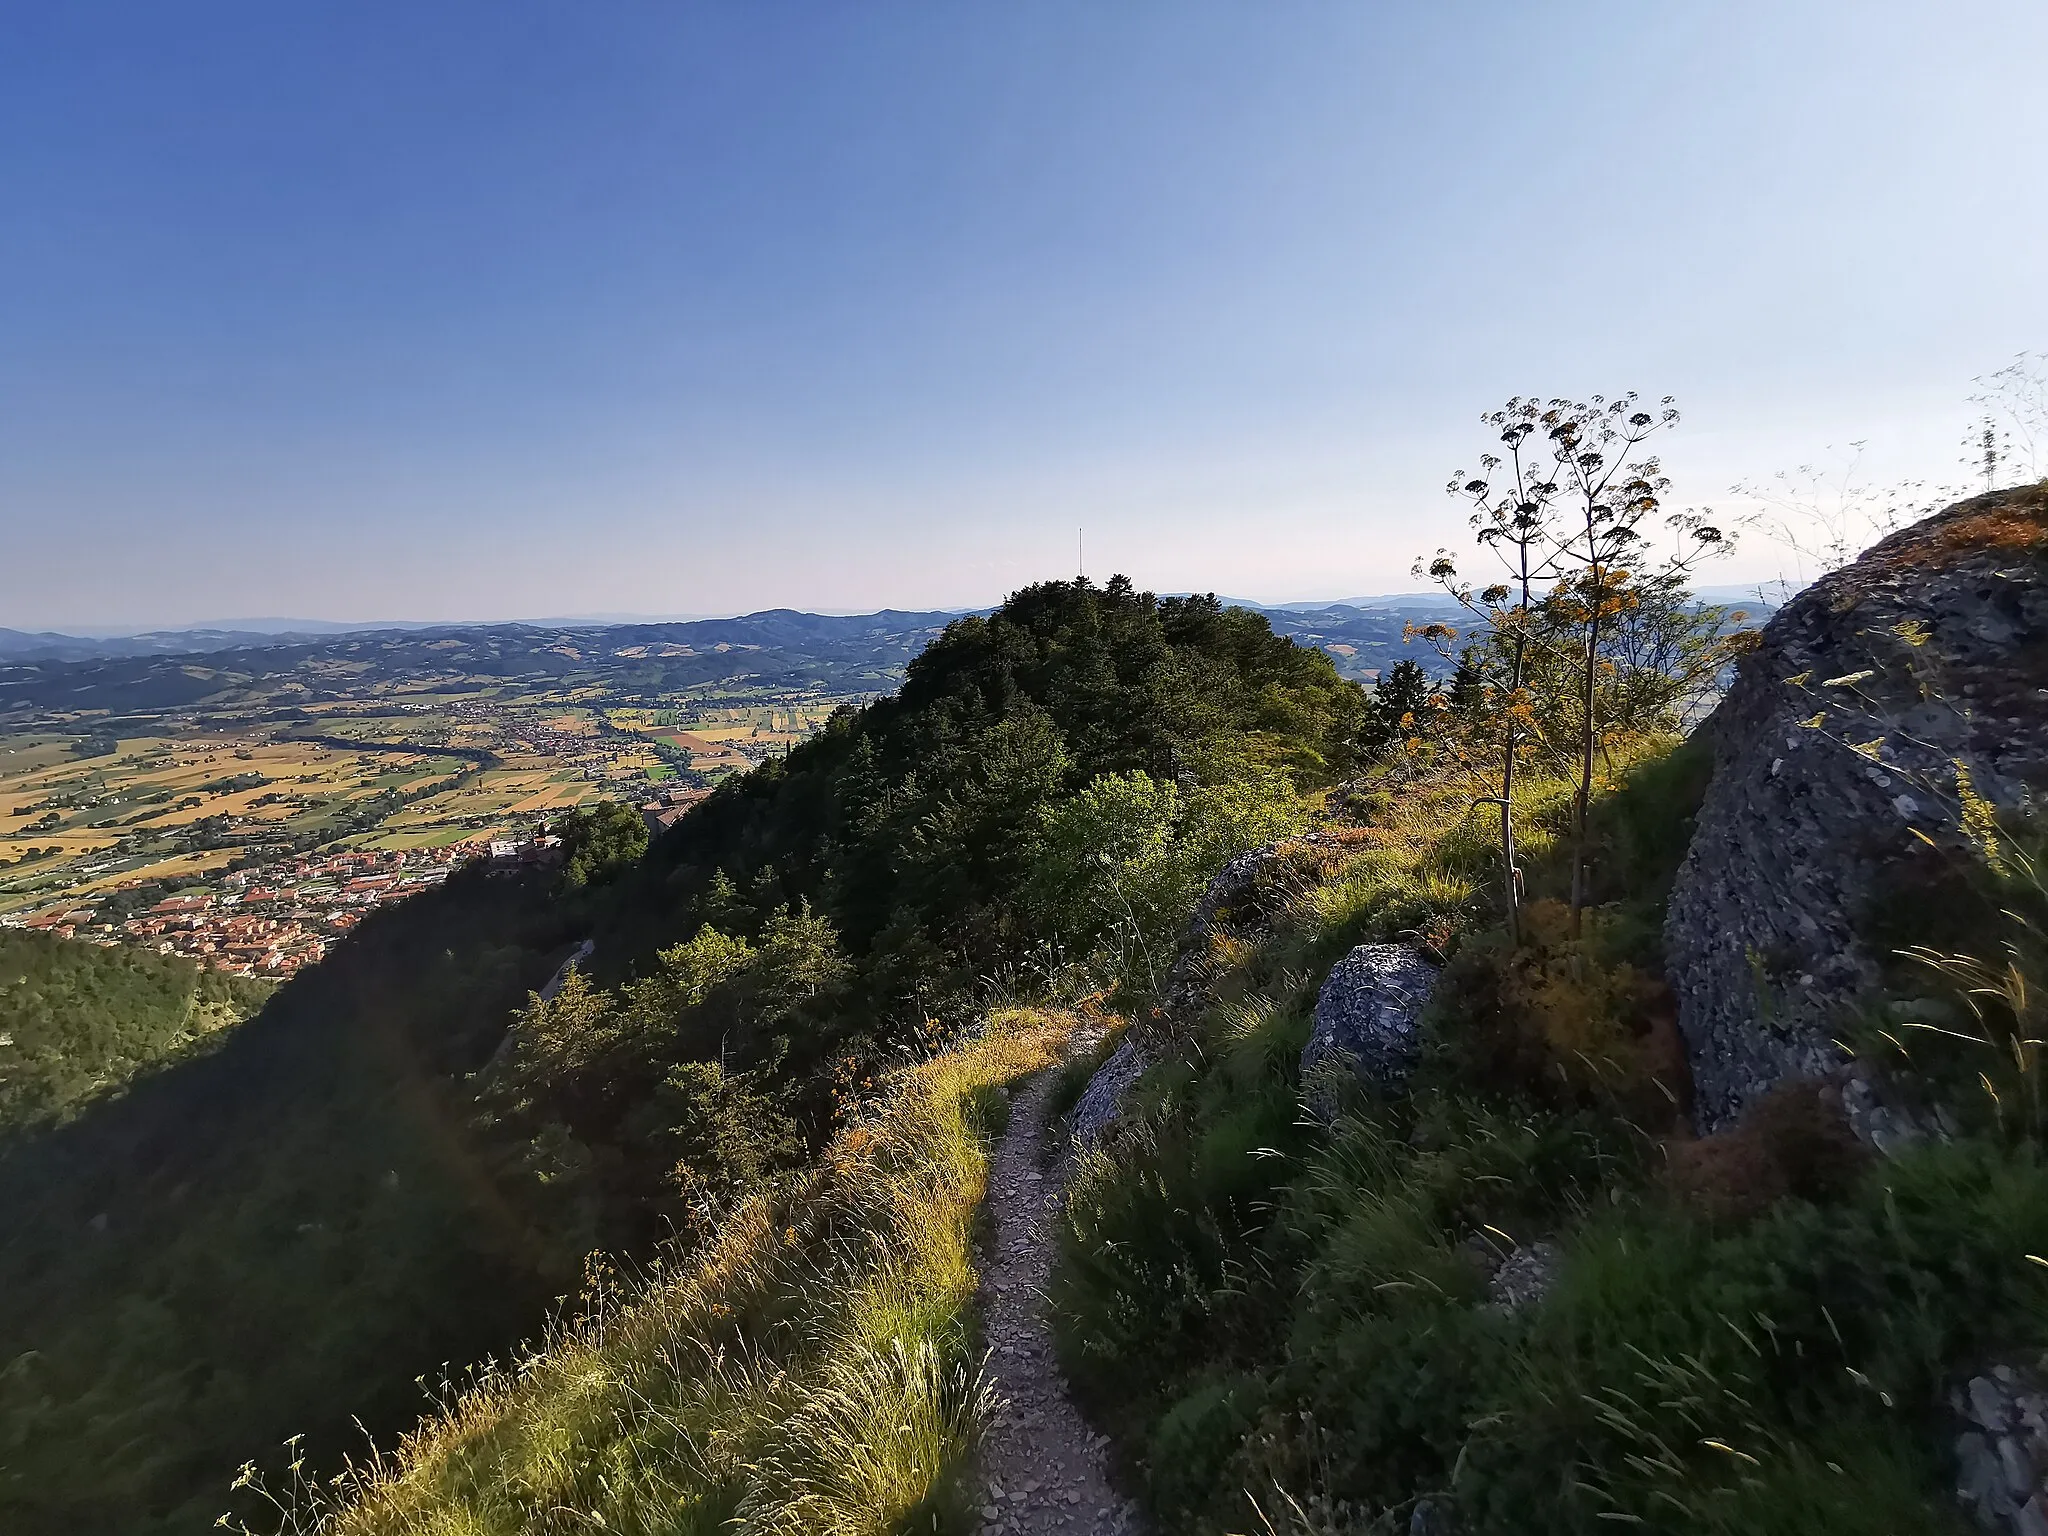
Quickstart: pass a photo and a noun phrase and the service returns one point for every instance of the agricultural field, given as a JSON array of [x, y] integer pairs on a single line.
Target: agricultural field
[[718, 735], [363, 764]]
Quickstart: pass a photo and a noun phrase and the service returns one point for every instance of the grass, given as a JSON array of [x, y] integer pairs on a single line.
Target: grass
[[809, 1371], [1287, 1326]]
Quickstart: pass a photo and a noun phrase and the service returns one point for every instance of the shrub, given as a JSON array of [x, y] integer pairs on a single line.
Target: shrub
[[1795, 1142], [1557, 1020]]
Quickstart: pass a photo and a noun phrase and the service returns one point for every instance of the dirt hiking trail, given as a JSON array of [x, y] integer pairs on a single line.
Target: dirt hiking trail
[[1044, 1471]]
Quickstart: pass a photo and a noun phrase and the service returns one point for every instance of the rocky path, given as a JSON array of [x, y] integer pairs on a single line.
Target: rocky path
[[1043, 1470]]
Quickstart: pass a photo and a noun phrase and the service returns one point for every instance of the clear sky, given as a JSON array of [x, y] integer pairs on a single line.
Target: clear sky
[[373, 310]]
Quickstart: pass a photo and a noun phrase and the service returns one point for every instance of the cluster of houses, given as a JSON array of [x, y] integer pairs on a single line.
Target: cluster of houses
[[276, 919], [279, 918], [666, 809]]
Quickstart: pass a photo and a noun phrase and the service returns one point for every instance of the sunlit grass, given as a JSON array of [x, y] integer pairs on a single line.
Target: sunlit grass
[[809, 1371]]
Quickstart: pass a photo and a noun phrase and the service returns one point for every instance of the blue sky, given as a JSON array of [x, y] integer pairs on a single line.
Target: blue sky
[[471, 310]]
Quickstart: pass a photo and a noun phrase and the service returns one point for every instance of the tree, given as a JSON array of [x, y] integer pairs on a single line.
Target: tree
[[600, 841], [1404, 704], [1515, 524], [1118, 867], [1611, 491], [1567, 509], [1665, 654]]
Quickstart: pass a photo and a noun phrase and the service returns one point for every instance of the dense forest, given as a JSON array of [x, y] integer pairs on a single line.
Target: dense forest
[[376, 1176]]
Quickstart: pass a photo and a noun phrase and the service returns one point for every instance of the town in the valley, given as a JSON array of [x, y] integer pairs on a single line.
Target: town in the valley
[[276, 919], [252, 839]]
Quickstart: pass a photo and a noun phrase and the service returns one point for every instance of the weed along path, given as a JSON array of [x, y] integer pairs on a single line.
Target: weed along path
[[1044, 1470]]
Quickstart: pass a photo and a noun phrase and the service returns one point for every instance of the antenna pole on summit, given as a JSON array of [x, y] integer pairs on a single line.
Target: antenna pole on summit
[[1080, 564]]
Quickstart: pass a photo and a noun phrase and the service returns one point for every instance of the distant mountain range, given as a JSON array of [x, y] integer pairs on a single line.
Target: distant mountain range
[[779, 648], [1361, 635], [104, 642]]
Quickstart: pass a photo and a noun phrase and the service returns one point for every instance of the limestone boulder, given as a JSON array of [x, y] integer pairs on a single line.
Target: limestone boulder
[[1367, 1020], [1880, 706]]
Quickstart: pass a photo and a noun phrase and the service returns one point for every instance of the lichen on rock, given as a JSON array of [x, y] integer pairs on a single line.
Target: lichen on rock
[[1887, 710], [1366, 1021]]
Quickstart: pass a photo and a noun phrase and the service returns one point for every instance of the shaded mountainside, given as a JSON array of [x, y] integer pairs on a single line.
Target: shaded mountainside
[[274, 1236]]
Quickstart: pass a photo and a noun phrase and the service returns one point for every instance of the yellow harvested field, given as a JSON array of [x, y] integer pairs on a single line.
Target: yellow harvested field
[[73, 843], [555, 797], [183, 866], [165, 789]]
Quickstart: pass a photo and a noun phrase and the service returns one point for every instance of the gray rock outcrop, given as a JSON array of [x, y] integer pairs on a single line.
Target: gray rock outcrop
[[2002, 1453], [1240, 901], [1102, 1101], [1366, 1020], [1881, 703], [1524, 1277]]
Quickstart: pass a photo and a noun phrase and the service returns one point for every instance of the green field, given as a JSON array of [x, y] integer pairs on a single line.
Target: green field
[[188, 793]]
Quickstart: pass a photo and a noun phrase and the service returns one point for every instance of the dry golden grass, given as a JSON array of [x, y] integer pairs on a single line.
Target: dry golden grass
[[806, 1372], [183, 866]]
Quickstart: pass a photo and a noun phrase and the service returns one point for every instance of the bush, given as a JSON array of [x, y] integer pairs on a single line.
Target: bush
[[1558, 1020]]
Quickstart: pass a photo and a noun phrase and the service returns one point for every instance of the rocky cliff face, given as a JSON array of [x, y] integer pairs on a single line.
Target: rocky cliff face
[[1886, 708]]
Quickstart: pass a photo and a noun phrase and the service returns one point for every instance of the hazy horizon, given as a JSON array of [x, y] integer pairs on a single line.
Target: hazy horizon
[[386, 311], [279, 624]]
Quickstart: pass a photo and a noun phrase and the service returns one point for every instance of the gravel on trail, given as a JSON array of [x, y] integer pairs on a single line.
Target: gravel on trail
[[1044, 1471]]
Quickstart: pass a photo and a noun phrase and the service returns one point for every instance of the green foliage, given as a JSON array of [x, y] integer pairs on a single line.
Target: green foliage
[[729, 1135], [1557, 1018], [658, 1099], [1120, 865], [1405, 706], [1966, 1020], [78, 1019], [599, 841], [913, 824]]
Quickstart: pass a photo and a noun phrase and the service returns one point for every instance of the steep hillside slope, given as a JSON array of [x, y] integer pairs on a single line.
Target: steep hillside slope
[[810, 1368], [77, 1019], [274, 1236]]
